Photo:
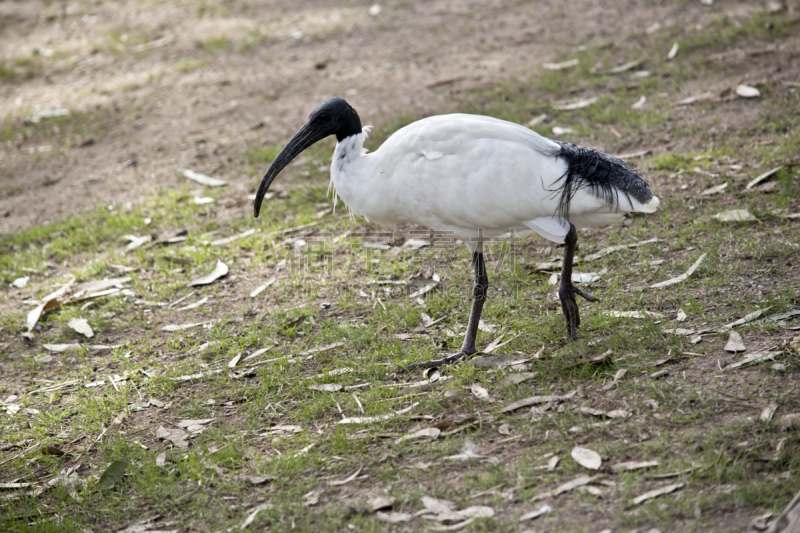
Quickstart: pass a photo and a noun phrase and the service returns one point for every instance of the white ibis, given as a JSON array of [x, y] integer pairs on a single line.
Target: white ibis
[[477, 177]]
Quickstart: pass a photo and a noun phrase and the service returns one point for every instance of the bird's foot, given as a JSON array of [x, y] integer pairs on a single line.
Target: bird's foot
[[452, 359], [569, 305]]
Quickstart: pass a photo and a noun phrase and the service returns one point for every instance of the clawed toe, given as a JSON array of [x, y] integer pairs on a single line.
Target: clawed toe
[[453, 359], [450, 360], [569, 307], [584, 295]]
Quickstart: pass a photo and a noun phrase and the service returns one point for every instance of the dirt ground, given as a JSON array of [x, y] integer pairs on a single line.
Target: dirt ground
[[174, 85], [150, 87]]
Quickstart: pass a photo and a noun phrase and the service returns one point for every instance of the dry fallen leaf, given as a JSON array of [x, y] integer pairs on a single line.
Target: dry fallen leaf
[[626, 66], [20, 283], [202, 178], [608, 250], [747, 318], [220, 271], [282, 429], [425, 433], [346, 480], [252, 515], [656, 493], [312, 498], [566, 487], [633, 314], [735, 343], [381, 502], [415, 244], [680, 331], [517, 378], [254, 480], [135, 241], [432, 505], [618, 376], [49, 302], [586, 458], [768, 412], [536, 514], [327, 387], [177, 436], [762, 177], [633, 465], [590, 411], [444, 511], [498, 361], [380, 418], [735, 215], [682, 277], [392, 517], [673, 51], [468, 452], [194, 305], [60, 348], [480, 392], [715, 189], [424, 290], [577, 104], [754, 358], [180, 327], [562, 65], [228, 240], [322, 348], [794, 344], [453, 527], [694, 99], [334, 372], [533, 400], [258, 290], [595, 491], [790, 420], [195, 426], [745, 91], [81, 325]]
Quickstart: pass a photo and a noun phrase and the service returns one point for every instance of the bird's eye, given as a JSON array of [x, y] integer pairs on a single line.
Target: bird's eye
[[323, 116]]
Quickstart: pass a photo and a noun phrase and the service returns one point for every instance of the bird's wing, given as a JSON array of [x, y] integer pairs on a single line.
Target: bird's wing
[[551, 228], [470, 172], [459, 128]]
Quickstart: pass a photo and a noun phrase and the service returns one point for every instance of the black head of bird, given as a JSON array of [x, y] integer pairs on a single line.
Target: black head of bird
[[334, 116]]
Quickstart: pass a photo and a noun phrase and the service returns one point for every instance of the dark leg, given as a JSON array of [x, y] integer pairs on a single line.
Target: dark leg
[[567, 291], [479, 298]]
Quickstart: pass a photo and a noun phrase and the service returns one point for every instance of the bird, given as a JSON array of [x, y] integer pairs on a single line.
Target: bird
[[477, 177]]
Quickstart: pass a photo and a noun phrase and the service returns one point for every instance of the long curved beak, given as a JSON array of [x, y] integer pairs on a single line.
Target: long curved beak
[[304, 138]]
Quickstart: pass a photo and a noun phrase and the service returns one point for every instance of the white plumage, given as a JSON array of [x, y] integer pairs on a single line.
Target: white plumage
[[477, 177]]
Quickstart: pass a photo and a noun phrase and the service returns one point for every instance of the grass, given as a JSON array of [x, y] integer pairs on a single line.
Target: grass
[[699, 421], [218, 43], [61, 132]]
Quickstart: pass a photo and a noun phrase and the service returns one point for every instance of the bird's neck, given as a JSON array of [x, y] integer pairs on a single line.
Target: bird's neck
[[348, 151]]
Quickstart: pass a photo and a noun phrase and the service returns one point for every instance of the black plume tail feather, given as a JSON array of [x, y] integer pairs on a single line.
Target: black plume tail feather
[[604, 175]]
